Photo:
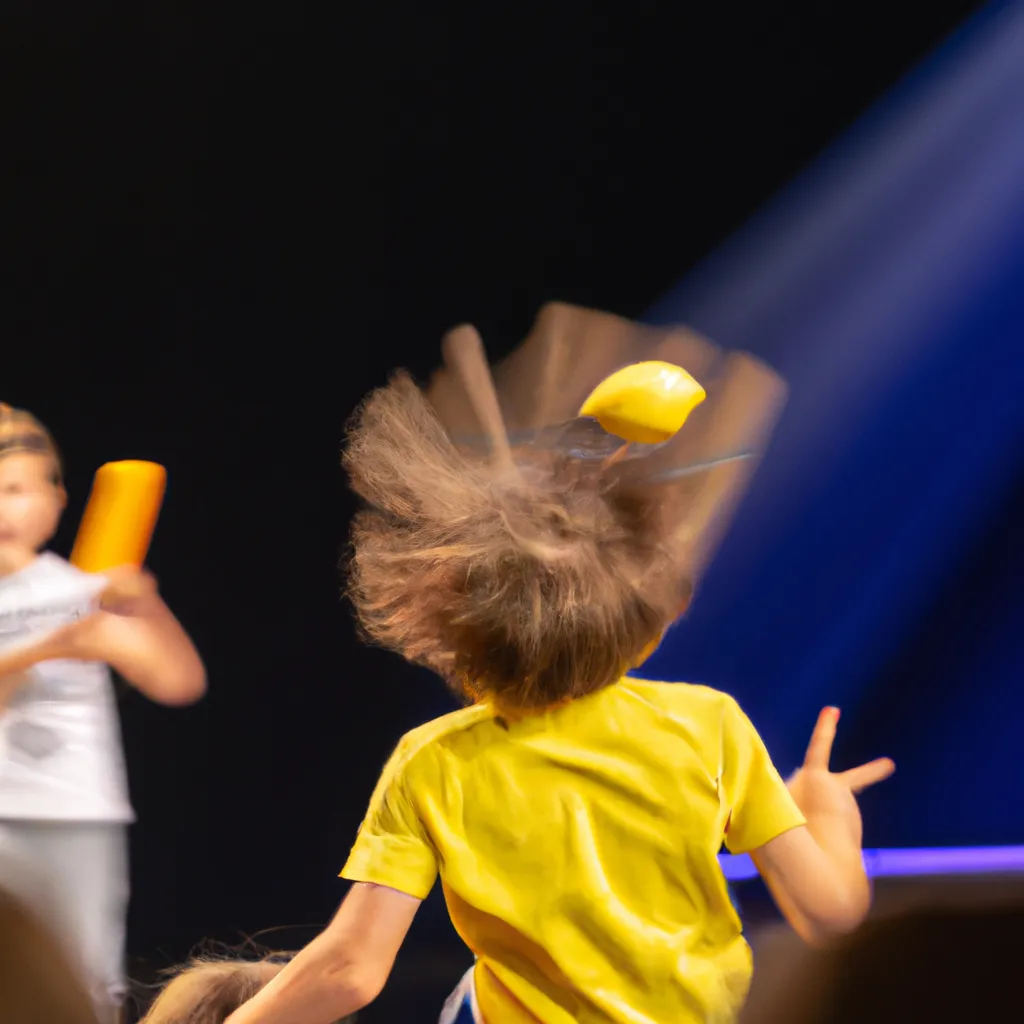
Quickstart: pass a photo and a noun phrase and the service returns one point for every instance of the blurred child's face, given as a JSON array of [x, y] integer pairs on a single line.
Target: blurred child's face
[[31, 502]]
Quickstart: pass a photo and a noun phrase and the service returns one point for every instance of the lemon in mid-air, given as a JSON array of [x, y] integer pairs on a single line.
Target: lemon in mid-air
[[644, 403]]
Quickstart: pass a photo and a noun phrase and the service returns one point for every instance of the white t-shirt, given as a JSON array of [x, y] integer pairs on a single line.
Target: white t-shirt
[[60, 737]]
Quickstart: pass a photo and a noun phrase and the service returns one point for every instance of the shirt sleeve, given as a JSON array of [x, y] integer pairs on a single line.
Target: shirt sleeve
[[759, 804], [392, 848]]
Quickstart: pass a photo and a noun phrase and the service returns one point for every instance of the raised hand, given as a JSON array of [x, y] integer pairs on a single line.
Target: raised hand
[[828, 797]]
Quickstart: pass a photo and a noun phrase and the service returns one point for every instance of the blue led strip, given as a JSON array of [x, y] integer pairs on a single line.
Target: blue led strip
[[916, 863]]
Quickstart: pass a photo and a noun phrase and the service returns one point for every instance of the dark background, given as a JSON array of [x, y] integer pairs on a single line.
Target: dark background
[[224, 223]]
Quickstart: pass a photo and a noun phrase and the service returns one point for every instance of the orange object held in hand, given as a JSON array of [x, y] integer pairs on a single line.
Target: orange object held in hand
[[121, 516]]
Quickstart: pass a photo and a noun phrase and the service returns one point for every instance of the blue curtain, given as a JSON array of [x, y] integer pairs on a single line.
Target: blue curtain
[[877, 563]]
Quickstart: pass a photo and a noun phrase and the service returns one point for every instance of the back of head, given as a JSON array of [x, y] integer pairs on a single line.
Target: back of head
[[208, 991], [527, 587], [37, 982]]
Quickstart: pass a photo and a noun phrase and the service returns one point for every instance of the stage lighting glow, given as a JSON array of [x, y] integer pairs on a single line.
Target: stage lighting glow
[[971, 860]]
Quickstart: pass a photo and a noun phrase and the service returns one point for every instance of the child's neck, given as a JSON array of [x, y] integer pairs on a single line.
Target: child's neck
[[14, 559]]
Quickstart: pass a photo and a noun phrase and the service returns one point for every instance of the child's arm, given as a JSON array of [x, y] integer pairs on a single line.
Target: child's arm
[[138, 636], [344, 968], [816, 872]]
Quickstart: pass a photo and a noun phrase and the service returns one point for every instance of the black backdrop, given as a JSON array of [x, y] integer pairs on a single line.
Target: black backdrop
[[224, 223]]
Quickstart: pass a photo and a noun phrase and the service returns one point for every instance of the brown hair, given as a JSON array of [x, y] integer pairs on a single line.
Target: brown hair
[[208, 991], [528, 585], [37, 982], [20, 431]]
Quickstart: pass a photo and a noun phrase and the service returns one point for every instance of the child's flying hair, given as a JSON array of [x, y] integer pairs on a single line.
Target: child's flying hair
[[207, 990], [544, 566]]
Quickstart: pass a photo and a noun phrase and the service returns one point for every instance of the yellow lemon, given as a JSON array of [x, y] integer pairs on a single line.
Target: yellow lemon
[[644, 403]]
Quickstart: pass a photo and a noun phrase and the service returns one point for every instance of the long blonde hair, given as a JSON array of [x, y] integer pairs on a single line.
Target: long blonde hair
[[208, 990]]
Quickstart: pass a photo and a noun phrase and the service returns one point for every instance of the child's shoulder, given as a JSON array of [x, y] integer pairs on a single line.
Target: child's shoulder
[[50, 566], [58, 575], [693, 697], [54, 579], [439, 730], [478, 725]]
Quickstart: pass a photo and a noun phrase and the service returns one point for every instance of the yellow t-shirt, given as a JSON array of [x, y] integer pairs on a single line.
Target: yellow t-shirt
[[578, 850]]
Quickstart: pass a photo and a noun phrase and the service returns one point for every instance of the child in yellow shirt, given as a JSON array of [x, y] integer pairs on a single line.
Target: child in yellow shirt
[[573, 815]]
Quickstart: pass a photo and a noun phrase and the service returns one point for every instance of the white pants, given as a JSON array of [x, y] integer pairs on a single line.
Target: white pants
[[75, 877], [461, 1006]]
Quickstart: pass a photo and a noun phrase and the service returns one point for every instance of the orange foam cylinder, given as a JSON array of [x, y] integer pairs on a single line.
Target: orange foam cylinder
[[121, 516]]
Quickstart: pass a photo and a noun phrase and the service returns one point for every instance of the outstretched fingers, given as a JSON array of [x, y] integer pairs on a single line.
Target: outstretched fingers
[[819, 753], [819, 750], [859, 779]]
